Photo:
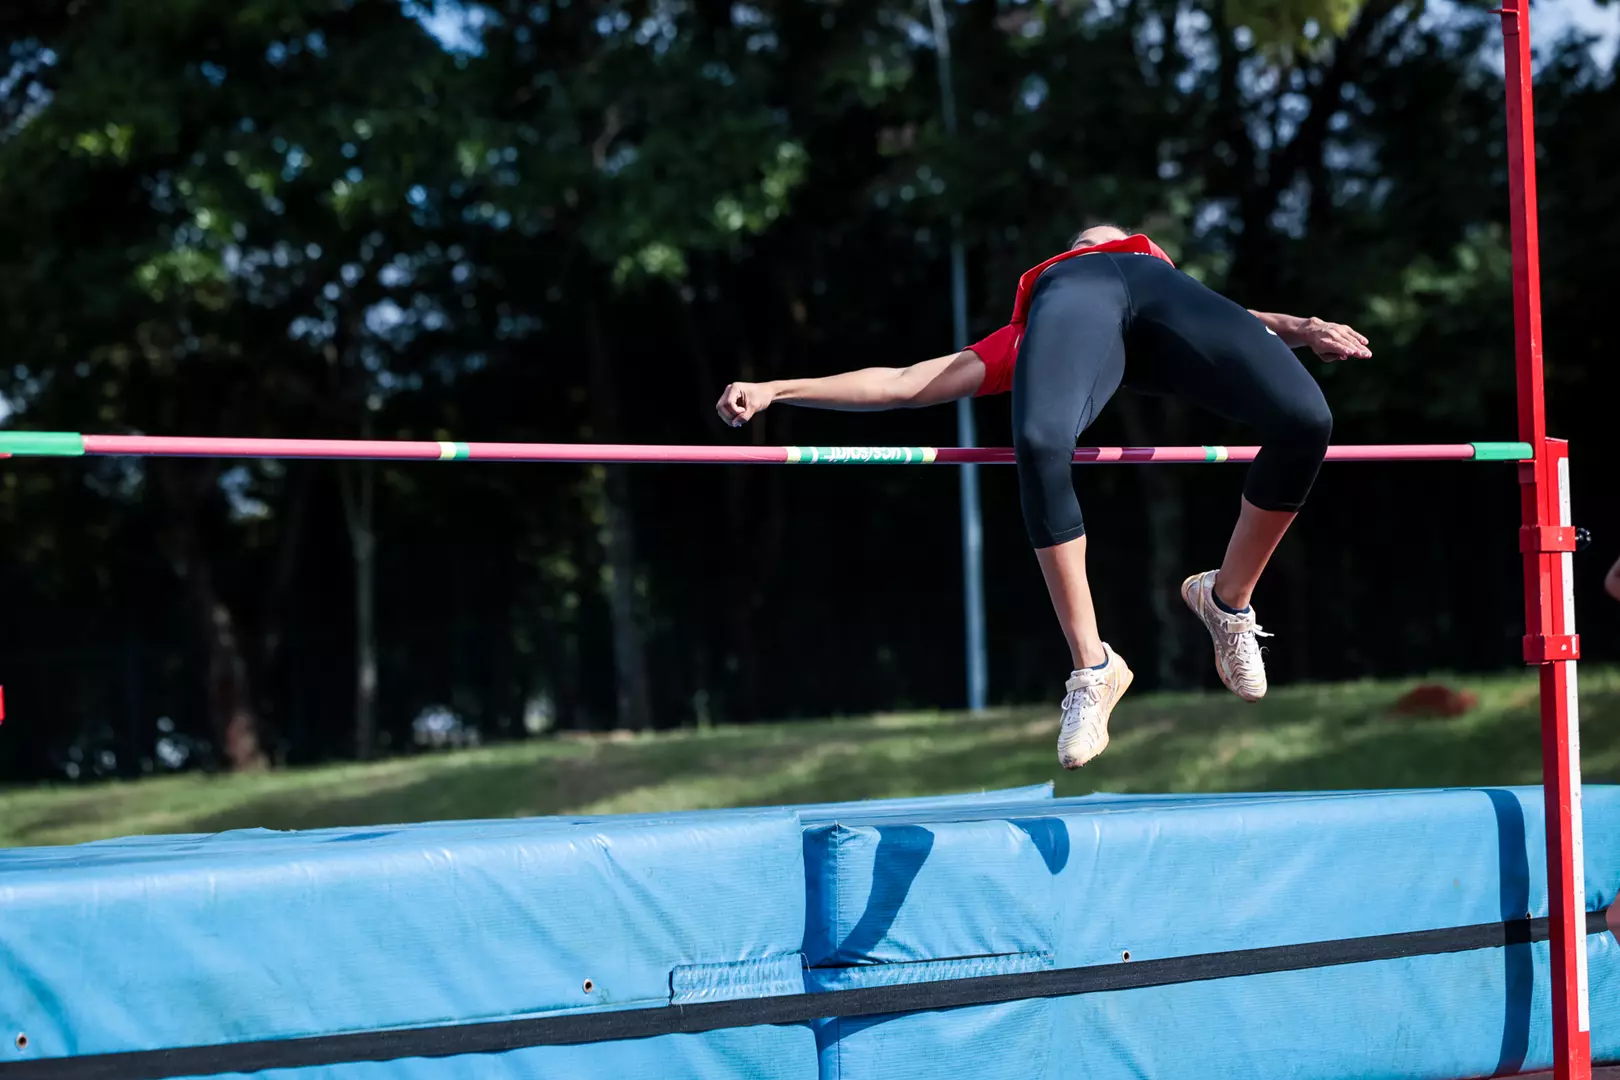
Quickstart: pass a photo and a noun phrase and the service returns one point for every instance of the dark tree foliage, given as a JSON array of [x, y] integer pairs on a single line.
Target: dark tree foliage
[[570, 221]]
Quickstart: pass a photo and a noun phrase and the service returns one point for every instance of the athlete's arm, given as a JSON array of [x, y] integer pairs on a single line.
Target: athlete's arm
[[1330, 341], [1612, 582], [931, 382]]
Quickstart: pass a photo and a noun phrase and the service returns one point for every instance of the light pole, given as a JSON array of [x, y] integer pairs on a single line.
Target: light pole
[[972, 526]]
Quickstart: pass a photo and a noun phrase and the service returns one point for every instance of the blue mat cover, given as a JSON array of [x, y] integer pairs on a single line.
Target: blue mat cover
[[155, 942], [1088, 881]]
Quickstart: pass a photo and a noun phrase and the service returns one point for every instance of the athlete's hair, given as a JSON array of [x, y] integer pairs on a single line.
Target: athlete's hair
[[1075, 239]]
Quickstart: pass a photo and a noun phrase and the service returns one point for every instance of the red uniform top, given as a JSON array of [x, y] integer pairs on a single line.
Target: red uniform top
[[999, 351]]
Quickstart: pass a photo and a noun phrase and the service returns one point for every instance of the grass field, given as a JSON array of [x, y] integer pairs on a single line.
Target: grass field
[[1313, 737]]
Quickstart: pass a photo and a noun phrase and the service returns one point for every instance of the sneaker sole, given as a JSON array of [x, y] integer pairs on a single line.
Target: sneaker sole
[[1220, 668], [1130, 677]]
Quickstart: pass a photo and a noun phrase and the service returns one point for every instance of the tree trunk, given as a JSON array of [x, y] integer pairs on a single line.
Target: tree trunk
[[1289, 595], [357, 486], [632, 700], [632, 704], [757, 536], [741, 700], [359, 496], [229, 692], [279, 592]]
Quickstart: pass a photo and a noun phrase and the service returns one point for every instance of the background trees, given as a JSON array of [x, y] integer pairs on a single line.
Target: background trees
[[569, 221]]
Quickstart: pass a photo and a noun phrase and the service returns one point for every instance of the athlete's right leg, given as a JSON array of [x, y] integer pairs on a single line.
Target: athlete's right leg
[[1070, 362]]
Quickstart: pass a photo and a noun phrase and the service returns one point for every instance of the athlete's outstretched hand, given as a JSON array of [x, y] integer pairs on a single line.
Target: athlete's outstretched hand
[[1332, 341], [742, 401]]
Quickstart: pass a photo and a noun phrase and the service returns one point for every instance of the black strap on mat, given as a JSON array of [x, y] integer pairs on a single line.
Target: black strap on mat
[[490, 1037]]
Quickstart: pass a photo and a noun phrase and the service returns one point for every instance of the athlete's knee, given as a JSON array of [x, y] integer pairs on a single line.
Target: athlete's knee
[[1314, 423], [1044, 448], [1294, 443], [1303, 421], [1039, 439]]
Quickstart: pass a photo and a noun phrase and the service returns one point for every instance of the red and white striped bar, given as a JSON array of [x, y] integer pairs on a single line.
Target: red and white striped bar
[[1201, 455], [421, 450], [68, 444]]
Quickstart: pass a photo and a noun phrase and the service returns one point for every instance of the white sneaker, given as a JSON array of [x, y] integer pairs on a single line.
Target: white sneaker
[[1092, 695], [1237, 648]]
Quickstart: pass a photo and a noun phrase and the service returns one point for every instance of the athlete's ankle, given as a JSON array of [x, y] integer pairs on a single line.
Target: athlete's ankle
[[1225, 605], [1094, 658]]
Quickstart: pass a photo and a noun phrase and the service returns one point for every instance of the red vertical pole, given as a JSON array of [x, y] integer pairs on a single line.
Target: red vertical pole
[[1549, 606]]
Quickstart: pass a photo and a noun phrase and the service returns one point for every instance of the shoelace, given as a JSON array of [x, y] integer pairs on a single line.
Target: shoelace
[[1089, 693], [1235, 627]]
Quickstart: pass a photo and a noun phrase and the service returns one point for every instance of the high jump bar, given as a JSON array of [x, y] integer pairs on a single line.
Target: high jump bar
[[70, 444]]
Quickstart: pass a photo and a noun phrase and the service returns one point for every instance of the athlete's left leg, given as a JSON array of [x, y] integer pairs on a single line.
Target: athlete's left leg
[[1201, 346]]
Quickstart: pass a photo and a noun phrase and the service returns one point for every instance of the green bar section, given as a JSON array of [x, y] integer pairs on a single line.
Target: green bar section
[[1503, 451], [858, 455], [42, 443], [461, 452]]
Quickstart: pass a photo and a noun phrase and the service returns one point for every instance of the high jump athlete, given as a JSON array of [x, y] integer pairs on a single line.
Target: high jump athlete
[[1112, 311]]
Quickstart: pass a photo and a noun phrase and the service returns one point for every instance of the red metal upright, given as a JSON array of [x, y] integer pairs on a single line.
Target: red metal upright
[[1549, 605]]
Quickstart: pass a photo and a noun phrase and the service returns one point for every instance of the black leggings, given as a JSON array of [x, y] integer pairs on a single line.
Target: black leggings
[[1100, 320]]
